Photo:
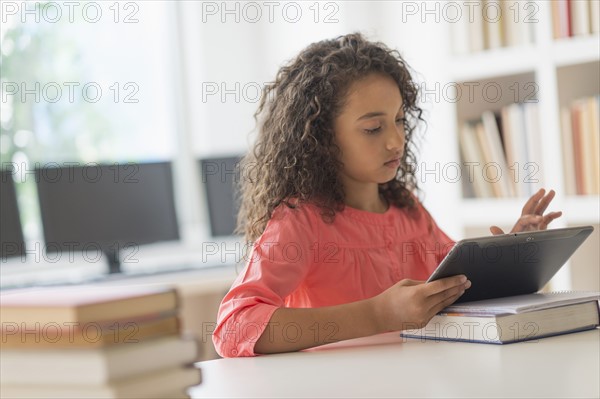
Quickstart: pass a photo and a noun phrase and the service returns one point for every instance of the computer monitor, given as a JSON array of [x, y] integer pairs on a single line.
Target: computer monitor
[[107, 207], [11, 234], [220, 178]]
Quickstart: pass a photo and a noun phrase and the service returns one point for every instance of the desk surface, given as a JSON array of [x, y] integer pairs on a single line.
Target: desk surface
[[387, 365]]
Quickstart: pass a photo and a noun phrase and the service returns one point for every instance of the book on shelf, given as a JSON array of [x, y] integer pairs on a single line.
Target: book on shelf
[[581, 146], [490, 24], [580, 17], [561, 20], [517, 21], [568, 151], [513, 319], [595, 16], [470, 152], [98, 365], [476, 31], [492, 135], [575, 18], [161, 384], [493, 29], [533, 172], [514, 142], [508, 148], [83, 304]]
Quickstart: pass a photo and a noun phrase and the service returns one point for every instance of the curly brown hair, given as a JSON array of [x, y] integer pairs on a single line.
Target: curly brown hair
[[295, 157]]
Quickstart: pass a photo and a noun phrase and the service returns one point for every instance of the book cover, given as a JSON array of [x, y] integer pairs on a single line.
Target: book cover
[[513, 319], [91, 334], [81, 304], [96, 366], [152, 385]]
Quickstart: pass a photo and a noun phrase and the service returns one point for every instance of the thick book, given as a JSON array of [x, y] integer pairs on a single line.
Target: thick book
[[35, 307], [95, 366], [89, 335], [513, 319], [171, 383]]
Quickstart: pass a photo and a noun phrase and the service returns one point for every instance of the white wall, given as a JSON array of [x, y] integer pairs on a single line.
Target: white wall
[[224, 49]]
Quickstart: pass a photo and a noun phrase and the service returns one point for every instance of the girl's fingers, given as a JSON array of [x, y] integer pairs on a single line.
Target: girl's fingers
[[532, 202], [439, 286], [496, 230], [544, 202], [549, 218], [447, 302], [525, 221], [446, 298]]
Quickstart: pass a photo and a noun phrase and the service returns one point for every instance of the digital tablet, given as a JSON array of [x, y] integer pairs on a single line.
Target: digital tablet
[[510, 264]]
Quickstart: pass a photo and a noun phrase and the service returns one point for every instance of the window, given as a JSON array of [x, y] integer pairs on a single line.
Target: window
[[83, 82]]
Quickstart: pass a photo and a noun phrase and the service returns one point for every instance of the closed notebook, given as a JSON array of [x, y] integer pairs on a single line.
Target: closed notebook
[[95, 366], [513, 319], [81, 304], [160, 384]]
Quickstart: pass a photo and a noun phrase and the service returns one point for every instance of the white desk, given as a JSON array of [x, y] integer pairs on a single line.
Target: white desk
[[390, 366]]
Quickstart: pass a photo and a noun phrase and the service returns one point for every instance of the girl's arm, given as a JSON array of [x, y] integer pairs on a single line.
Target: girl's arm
[[408, 304]]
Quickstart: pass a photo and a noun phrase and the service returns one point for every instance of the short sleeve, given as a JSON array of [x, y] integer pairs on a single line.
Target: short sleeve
[[276, 266]]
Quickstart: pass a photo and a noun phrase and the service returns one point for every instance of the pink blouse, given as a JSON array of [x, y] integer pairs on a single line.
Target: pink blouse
[[300, 261]]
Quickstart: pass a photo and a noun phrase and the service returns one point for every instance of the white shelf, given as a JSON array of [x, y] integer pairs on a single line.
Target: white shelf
[[577, 50], [583, 210], [485, 212], [482, 212], [493, 63]]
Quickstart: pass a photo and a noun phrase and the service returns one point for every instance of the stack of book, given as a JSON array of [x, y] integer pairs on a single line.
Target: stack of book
[[502, 153], [575, 17], [490, 24], [581, 146], [100, 342], [513, 319]]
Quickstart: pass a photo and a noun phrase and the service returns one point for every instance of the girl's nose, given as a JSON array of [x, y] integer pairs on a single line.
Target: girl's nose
[[396, 140]]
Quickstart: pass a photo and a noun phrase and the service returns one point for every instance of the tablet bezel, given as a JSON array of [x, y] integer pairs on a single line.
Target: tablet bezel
[[527, 279]]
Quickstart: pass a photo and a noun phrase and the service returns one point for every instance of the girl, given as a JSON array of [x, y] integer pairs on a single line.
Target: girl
[[341, 242]]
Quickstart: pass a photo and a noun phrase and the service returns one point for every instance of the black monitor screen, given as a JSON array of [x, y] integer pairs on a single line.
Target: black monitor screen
[[219, 178], [11, 233], [109, 206]]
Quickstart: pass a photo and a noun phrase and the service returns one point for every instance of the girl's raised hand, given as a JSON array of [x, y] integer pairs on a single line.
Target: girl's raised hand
[[532, 216], [410, 304]]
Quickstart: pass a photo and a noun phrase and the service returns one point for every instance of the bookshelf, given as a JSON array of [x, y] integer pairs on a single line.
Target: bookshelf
[[551, 73]]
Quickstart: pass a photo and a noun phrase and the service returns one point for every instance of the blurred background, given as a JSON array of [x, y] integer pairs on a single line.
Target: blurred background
[[177, 83]]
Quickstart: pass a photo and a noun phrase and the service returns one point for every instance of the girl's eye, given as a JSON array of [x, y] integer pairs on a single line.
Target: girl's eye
[[400, 120], [373, 131]]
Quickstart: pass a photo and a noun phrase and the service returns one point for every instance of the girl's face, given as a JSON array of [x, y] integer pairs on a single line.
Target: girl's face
[[370, 132]]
